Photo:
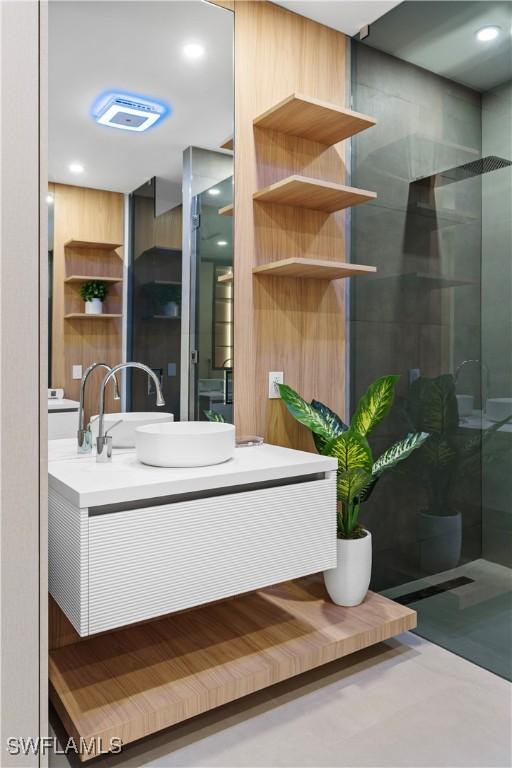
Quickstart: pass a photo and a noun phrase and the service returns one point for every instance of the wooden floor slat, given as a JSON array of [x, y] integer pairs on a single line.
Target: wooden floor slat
[[135, 681]]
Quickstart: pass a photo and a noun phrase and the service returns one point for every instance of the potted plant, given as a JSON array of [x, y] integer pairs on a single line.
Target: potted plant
[[166, 298], [358, 474], [443, 464], [94, 292]]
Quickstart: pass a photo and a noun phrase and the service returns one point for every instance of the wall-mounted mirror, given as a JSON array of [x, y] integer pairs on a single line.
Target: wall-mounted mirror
[[140, 260]]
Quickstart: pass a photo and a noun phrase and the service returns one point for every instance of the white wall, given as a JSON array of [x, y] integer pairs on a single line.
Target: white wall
[[22, 615]]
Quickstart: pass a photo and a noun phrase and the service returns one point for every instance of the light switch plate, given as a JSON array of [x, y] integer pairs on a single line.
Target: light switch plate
[[274, 378], [76, 372]]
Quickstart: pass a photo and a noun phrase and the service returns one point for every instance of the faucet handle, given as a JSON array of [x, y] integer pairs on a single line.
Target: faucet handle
[[104, 445], [104, 449], [112, 427]]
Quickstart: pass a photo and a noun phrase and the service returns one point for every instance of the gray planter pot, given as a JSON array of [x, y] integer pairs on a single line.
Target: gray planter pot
[[440, 540]]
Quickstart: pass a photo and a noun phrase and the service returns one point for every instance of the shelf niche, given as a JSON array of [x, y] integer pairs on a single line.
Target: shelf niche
[[313, 119], [93, 244], [315, 269], [227, 210], [304, 192]]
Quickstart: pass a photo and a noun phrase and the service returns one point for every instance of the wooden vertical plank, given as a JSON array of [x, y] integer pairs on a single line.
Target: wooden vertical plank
[[289, 325], [95, 215]]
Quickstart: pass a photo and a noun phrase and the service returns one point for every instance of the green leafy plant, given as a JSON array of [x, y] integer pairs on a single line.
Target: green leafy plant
[[163, 293], [214, 416], [451, 454], [94, 289], [358, 473]]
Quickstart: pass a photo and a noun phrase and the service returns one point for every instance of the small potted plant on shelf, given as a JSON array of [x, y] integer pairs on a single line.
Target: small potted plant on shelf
[[358, 474], [94, 292]]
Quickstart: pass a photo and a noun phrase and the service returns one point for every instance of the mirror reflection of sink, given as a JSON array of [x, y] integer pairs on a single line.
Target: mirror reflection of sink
[[123, 435], [185, 443], [498, 408], [465, 403]]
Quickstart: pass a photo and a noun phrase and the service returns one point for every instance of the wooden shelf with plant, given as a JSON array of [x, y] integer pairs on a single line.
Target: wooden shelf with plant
[[93, 293], [165, 299]]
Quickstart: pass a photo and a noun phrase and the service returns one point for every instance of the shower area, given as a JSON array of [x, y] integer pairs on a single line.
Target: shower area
[[439, 313], [180, 289]]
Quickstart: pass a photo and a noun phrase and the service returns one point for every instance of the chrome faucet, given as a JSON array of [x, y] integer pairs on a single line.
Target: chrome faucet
[[484, 369], [84, 434], [104, 440]]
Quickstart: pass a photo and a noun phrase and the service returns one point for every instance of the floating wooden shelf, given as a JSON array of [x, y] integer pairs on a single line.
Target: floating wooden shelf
[[92, 244], [85, 278], [313, 119], [227, 210], [303, 192], [85, 316], [135, 681], [228, 143], [226, 279], [315, 269]]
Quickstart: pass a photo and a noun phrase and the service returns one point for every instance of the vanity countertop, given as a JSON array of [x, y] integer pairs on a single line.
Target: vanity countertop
[[85, 483], [62, 404]]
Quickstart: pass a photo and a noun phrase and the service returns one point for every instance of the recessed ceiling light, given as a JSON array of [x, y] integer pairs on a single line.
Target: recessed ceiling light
[[214, 191], [222, 242], [49, 199], [488, 33], [128, 111], [193, 50], [76, 168]]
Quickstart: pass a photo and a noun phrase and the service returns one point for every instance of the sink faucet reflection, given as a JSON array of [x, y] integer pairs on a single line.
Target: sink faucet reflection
[[484, 369], [84, 435], [104, 440]]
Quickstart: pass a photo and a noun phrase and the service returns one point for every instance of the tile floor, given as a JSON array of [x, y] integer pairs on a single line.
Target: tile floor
[[404, 703]]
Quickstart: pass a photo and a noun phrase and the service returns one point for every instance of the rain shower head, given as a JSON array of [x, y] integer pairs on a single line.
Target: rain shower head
[[467, 170]]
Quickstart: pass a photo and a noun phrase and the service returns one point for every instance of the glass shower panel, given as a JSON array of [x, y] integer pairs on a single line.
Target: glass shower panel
[[154, 323], [213, 380], [431, 314]]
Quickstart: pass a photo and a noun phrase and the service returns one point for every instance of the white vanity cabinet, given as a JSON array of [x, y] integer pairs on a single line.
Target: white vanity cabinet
[[267, 516]]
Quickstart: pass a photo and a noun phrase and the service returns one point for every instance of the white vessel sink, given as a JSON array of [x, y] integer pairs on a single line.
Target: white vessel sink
[[498, 408], [466, 403], [185, 443], [123, 435]]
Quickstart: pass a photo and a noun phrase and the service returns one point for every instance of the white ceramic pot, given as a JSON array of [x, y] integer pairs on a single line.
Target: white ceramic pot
[[440, 540], [348, 583], [171, 309], [94, 307]]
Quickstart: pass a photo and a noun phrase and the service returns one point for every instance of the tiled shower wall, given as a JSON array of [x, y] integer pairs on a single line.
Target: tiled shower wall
[[421, 315]]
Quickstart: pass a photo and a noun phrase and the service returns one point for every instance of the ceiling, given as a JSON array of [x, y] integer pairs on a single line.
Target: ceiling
[[136, 47], [440, 36], [346, 16]]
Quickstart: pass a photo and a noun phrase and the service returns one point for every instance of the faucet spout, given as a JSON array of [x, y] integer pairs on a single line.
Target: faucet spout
[[104, 441], [84, 435]]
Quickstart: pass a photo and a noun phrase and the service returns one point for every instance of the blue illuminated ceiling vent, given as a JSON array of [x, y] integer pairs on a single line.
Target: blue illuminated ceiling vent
[[128, 111]]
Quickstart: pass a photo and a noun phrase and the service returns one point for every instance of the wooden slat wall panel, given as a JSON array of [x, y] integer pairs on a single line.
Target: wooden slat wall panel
[[292, 325], [94, 215]]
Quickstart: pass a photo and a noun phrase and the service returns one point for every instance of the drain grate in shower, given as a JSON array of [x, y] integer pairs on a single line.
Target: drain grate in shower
[[435, 589]]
